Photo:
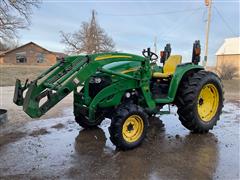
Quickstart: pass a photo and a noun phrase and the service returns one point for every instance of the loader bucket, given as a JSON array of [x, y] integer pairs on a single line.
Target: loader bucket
[[18, 93]]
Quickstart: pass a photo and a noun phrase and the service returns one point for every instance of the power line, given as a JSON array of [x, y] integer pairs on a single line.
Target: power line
[[179, 24], [225, 22], [152, 14]]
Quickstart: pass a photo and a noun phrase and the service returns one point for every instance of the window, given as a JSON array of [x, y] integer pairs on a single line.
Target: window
[[21, 57], [40, 57]]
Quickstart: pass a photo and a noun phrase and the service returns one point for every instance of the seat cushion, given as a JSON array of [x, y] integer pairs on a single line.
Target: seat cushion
[[169, 67], [161, 75]]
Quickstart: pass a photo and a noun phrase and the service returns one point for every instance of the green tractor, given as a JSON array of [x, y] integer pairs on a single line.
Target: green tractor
[[128, 89]]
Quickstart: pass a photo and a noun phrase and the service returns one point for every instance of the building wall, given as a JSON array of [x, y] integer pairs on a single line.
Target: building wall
[[233, 60], [1, 60], [32, 53]]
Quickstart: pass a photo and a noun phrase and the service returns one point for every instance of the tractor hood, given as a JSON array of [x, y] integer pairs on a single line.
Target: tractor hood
[[128, 63]]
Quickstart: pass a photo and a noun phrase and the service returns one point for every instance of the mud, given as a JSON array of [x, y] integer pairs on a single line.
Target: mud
[[57, 148], [39, 132], [58, 126], [11, 137]]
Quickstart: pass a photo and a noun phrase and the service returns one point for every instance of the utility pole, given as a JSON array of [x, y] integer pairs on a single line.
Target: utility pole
[[208, 3], [155, 44]]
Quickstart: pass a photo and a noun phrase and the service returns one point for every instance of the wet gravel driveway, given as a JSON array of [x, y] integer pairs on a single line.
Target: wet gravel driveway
[[57, 147]]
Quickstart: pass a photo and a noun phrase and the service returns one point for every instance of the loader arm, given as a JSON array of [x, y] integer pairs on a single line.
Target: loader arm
[[61, 79]]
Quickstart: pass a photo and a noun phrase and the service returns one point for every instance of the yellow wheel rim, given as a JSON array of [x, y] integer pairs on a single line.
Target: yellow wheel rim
[[208, 102], [132, 128]]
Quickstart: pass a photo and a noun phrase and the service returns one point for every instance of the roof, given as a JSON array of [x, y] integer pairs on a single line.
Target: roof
[[5, 52], [2, 52], [229, 47], [59, 54]]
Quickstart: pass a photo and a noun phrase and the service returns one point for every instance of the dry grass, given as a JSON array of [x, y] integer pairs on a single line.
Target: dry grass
[[9, 73], [232, 89]]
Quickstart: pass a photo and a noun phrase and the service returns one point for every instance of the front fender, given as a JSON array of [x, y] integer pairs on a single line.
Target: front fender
[[181, 70]]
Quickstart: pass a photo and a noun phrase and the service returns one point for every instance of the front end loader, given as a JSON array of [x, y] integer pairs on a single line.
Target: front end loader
[[128, 89]]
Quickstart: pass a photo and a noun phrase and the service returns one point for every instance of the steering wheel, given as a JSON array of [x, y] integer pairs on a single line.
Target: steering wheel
[[147, 53]]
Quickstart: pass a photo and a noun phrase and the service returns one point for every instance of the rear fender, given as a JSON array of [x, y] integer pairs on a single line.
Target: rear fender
[[181, 70]]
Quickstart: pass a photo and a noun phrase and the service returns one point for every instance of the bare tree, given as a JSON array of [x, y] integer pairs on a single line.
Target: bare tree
[[8, 44], [3, 47], [91, 38], [15, 15], [227, 71]]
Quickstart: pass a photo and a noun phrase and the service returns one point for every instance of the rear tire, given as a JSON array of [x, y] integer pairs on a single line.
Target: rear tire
[[200, 101], [128, 127]]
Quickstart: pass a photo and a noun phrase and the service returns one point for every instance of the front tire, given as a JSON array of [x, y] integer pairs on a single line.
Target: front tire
[[85, 123], [200, 101], [128, 127]]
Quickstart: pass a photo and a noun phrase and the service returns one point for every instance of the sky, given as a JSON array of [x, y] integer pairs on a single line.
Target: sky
[[133, 25]]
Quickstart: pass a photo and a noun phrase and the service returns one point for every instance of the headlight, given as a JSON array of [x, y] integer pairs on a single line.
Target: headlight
[[96, 80]]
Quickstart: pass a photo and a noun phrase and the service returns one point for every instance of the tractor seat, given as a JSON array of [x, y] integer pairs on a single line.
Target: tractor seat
[[169, 67]]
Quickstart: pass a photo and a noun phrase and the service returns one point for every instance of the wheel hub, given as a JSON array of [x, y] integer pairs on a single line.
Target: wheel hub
[[208, 102], [132, 128]]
